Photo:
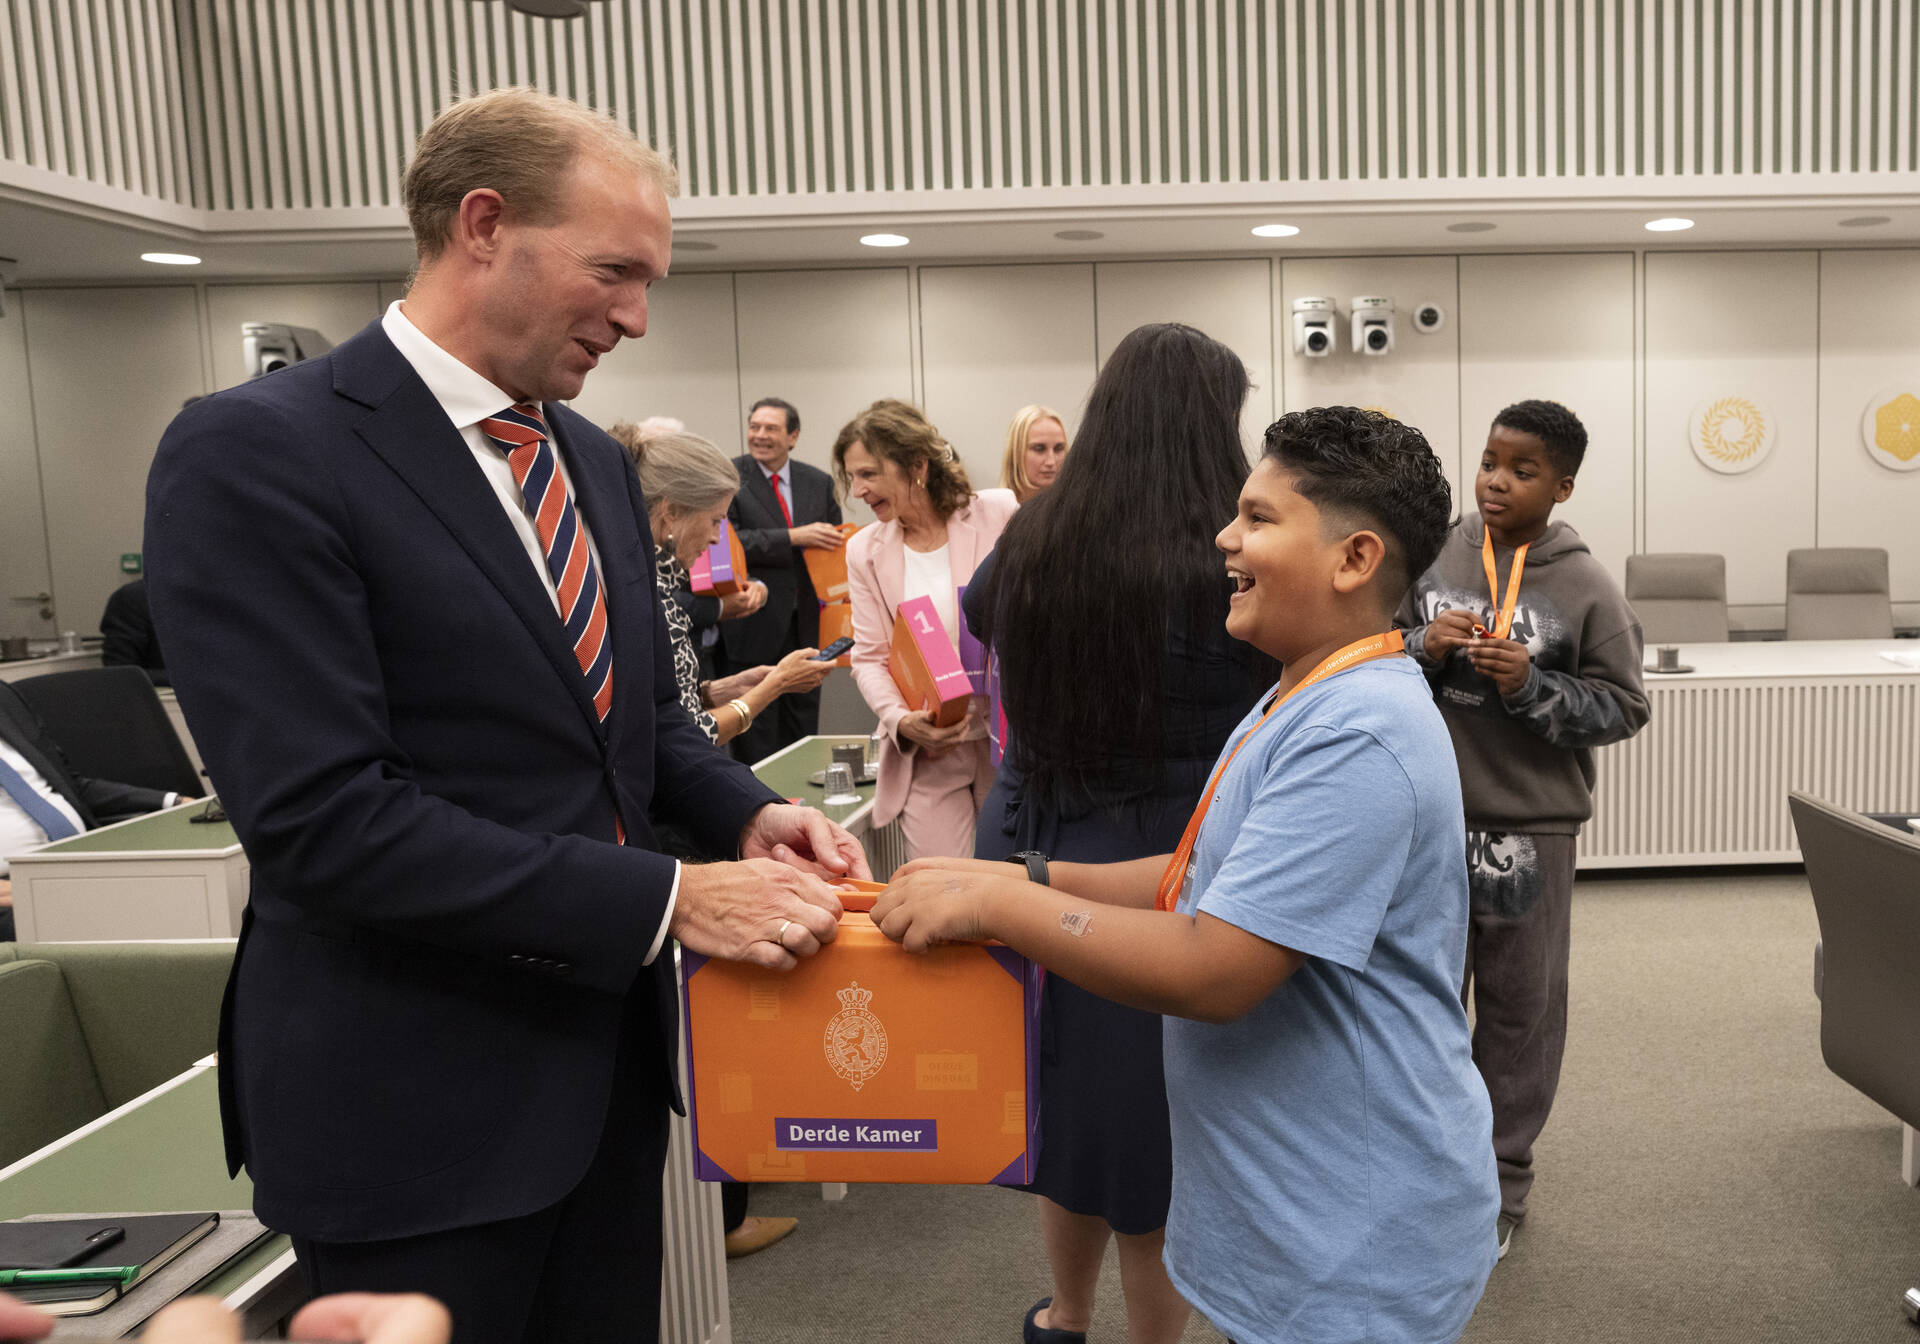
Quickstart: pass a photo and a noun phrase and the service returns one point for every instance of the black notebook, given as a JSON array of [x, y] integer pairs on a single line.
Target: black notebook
[[148, 1241]]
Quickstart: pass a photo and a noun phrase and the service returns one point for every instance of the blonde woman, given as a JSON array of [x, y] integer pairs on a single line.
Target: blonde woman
[[1036, 450], [933, 530]]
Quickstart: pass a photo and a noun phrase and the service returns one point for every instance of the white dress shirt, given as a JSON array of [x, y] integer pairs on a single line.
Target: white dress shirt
[[468, 398], [18, 831]]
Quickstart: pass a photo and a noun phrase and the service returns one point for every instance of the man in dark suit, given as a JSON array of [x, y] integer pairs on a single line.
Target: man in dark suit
[[126, 632], [411, 616], [781, 508], [41, 799]]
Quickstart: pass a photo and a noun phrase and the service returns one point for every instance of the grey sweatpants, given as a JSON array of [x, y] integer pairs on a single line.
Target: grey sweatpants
[[1521, 887]]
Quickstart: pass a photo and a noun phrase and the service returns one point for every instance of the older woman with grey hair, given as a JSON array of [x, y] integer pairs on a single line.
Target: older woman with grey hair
[[688, 483]]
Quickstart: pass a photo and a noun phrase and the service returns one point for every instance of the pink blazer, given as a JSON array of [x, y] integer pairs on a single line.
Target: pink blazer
[[876, 578]]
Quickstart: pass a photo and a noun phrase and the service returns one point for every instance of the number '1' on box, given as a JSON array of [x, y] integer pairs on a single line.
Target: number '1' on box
[[925, 663], [865, 1063]]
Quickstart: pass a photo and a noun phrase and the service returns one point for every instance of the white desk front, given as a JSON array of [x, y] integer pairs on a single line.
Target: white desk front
[[1706, 780], [159, 876]]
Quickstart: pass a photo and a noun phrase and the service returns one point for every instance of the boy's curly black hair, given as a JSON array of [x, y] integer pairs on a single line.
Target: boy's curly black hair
[[1555, 426], [1365, 470]]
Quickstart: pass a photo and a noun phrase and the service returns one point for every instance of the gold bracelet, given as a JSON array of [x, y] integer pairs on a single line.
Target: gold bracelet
[[740, 707]]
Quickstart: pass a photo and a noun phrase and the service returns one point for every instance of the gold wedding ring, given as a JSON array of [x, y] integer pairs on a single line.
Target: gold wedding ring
[[781, 937]]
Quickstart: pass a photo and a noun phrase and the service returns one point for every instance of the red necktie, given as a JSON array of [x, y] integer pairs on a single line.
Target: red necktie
[[521, 434], [780, 496]]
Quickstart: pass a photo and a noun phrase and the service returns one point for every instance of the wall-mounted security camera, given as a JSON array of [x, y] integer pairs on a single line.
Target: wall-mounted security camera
[[1372, 324], [271, 346], [1429, 318], [1313, 321]]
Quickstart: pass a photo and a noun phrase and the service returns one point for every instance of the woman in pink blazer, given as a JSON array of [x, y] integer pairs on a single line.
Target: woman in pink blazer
[[932, 531]]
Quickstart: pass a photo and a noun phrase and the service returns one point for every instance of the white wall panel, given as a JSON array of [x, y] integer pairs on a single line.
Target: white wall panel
[[1418, 383], [1733, 324], [1232, 301], [830, 342], [1559, 328], [23, 524], [1869, 343], [336, 311], [996, 338], [109, 369], [685, 366]]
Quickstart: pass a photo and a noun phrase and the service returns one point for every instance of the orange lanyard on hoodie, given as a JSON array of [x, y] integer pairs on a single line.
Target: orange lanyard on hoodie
[[1504, 622], [1366, 650]]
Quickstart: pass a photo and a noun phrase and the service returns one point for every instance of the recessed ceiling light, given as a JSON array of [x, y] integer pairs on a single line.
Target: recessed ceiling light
[[885, 240], [1079, 235], [694, 245], [1865, 221], [1472, 226], [1275, 231], [170, 258], [1673, 224]]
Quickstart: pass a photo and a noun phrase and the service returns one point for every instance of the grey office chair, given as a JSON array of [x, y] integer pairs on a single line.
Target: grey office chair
[[1680, 598], [1865, 878], [1838, 592]]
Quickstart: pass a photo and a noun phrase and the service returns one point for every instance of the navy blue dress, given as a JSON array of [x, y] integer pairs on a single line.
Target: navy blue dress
[[1104, 1143]]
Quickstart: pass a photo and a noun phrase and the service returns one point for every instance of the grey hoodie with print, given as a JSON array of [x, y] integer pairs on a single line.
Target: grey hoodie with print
[[1526, 760]]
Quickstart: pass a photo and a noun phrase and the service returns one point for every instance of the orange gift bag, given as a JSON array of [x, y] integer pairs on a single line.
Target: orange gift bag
[[865, 1063]]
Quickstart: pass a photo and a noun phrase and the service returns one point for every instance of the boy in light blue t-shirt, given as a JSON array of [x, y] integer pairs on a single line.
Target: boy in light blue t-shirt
[[1332, 1170]]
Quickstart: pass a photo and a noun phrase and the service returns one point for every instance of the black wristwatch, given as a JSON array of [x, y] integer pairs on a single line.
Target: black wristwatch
[[1036, 863]]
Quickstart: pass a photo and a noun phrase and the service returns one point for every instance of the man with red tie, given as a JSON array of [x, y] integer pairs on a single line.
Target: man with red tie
[[412, 620], [781, 508]]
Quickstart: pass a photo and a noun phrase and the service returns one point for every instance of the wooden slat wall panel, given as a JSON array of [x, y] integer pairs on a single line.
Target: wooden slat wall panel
[[310, 104]]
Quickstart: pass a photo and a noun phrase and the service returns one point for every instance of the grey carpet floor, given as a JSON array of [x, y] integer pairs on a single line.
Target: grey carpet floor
[[1704, 1178]]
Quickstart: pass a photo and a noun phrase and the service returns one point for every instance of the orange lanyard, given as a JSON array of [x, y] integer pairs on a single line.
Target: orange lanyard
[[1366, 650], [1505, 621]]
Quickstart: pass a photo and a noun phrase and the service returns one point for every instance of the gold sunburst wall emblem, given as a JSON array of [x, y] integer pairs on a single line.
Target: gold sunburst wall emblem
[[1731, 434], [1890, 429]]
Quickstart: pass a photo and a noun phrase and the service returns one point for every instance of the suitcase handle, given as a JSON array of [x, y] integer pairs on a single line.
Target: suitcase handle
[[857, 897]]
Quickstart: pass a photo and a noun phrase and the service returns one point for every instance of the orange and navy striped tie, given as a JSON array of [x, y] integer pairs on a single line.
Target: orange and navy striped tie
[[521, 433]]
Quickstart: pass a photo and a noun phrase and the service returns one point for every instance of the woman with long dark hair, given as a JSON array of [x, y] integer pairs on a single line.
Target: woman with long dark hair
[[1105, 604]]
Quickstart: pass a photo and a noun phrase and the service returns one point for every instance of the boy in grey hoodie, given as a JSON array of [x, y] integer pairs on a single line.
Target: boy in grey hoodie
[[1534, 657]]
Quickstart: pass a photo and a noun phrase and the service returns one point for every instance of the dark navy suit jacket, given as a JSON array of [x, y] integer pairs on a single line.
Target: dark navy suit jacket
[[775, 561], [443, 946]]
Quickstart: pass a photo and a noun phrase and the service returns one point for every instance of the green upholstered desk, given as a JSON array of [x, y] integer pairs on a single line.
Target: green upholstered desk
[[160, 1153], [159, 876]]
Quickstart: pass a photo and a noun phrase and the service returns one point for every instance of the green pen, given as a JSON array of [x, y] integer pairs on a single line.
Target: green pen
[[120, 1274]]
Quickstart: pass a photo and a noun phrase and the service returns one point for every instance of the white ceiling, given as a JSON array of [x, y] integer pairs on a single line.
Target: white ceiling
[[55, 245]]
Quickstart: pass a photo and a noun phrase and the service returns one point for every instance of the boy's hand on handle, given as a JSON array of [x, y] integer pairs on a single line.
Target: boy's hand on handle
[[931, 907], [1451, 629], [757, 910], [1506, 661], [820, 536], [941, 864]]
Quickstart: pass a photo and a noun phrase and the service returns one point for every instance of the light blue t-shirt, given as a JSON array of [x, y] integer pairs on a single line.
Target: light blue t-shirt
[[1333, 1171]]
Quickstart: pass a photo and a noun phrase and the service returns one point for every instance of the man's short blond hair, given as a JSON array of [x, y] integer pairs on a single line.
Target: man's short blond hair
[[519, 142]]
